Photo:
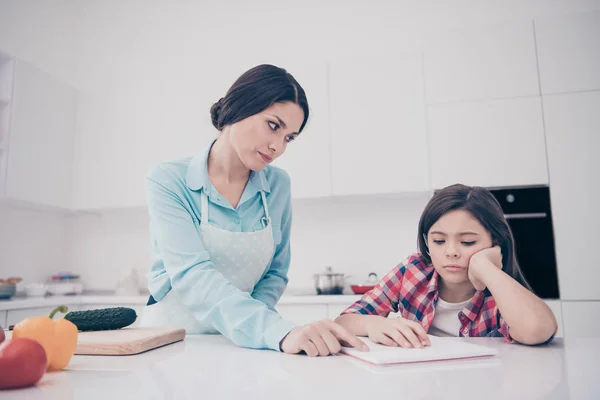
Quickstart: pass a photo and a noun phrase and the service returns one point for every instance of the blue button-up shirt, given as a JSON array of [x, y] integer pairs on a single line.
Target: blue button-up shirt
[[180, 261]]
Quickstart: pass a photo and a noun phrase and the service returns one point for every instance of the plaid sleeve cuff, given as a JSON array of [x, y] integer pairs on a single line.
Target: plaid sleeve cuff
[[353, 309], [505, 331], [371, 304], [360, 307]]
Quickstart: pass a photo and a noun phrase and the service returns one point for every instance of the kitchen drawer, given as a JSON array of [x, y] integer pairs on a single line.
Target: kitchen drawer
[[302, 314]]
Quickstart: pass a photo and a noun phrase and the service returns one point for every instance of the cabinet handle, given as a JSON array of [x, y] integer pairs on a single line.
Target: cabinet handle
[[525, 215]]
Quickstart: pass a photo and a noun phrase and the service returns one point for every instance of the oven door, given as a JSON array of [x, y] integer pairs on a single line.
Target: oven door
[[534, 241]]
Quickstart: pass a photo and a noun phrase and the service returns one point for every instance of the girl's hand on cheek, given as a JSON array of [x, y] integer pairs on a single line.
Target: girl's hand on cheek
[[480, 261]]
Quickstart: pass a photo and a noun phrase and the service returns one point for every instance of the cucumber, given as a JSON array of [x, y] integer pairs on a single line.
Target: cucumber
[[103, 319]]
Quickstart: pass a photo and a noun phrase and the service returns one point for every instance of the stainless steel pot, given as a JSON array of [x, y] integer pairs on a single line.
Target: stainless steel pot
[[329, 282]]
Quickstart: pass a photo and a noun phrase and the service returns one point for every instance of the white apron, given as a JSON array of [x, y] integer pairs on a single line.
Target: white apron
[[242, 257]]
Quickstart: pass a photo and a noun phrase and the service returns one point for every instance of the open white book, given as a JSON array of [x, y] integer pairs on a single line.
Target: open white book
[[441, 348]]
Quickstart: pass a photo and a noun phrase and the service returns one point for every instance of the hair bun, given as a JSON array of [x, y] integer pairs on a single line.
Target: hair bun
[[215, 112]]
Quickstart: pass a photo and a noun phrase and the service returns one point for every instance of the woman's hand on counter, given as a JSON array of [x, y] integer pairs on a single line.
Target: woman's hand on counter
[[320, 338]]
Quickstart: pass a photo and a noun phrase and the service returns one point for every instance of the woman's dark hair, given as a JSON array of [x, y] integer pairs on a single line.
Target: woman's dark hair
[[484, 207], [255, 91]]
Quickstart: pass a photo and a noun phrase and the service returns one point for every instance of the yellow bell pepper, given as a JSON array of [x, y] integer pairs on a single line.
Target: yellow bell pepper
[[58, 338]]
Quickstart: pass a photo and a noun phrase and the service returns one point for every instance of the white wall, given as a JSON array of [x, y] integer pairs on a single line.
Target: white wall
[[33, 244], [106, 246], [355, 235]]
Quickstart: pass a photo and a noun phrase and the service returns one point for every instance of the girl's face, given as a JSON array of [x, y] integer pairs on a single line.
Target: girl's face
[[452, 240], [261, 138]]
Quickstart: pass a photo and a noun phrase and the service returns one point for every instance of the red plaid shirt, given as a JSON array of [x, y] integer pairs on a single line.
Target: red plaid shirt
[[411, 289]]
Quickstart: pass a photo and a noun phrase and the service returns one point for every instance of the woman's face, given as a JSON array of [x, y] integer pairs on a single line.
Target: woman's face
[[452, 240], [263, 137]]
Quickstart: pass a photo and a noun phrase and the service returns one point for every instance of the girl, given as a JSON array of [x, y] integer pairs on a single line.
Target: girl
[[220, 224], [465, 281]]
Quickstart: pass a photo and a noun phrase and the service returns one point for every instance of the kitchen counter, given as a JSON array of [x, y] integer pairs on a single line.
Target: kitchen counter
[[109, 298], [211, 367]]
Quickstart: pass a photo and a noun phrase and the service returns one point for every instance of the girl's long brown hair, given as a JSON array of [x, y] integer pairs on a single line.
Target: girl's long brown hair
[[483, 206]]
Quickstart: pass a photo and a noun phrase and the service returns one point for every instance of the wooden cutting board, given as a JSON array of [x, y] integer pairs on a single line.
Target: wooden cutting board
[[126, 341]]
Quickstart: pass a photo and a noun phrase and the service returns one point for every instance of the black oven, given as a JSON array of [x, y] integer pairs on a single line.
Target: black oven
[[530, 218]]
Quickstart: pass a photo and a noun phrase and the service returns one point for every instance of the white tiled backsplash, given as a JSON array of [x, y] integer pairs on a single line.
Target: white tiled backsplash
[[33, 244], [355, 235]]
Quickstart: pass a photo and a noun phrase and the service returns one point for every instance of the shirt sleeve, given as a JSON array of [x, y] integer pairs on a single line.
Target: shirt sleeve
[[201, 287], [270, 288], [503, 328], [383, 298]]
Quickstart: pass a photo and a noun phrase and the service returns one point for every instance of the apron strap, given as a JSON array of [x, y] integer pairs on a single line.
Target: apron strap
[[204, 207], [266, 220]]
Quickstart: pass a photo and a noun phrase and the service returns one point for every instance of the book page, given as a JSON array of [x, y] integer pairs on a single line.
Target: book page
[[440, 349]]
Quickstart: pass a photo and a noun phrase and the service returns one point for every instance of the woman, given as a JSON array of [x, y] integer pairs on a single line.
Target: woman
[[220, 225]]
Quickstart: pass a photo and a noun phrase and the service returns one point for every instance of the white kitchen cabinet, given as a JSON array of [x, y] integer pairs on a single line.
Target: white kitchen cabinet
[[301, 314], [308, 159], [481, 63], [3, 319], [491, 143], [38, 143], [6, 84], [556, 307], [13, 317], [6, 77], [572, 126], [120, 138], [378, 125], [569, 52], [124, 132], [581, 318]]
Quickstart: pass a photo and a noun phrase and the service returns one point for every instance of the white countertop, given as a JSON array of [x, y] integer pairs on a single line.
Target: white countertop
[[108, 298], [211, 367]]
